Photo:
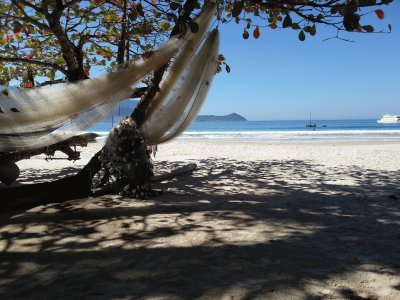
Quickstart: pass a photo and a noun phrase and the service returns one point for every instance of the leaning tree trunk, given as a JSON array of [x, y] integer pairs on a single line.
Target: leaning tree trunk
[[135, 177], [139, 170]]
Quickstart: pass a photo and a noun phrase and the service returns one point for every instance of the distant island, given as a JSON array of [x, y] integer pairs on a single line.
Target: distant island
[[125, 108], [228, 118]]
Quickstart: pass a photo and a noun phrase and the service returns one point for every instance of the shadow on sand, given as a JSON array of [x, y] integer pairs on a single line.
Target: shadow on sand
[[234, 230]]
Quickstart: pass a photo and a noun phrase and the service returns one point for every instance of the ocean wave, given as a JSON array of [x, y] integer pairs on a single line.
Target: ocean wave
[[336, 135], [293, 136], [293, 132]]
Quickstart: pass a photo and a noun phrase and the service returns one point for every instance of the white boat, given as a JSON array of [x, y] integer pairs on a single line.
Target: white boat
[[390, 119]]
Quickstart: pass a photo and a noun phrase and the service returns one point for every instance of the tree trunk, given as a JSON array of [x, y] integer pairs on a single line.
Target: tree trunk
[[79, 185], [72, 54]]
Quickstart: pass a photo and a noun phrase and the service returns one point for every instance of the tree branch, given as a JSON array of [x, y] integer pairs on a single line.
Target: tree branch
[[27, 3], [26, 19], [316, 4], [138, 92], [153, 88], [72, 55], [50, 82], [70, 3], [65, 146], [33, 62], [315, 20]]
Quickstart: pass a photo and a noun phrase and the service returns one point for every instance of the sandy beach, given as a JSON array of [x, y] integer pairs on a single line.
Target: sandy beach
[[253, 221]]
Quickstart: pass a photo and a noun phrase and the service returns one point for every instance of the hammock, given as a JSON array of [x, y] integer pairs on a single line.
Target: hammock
[[41, 117], [182, 58], [33, 140], [200, 93], [184, 93], [29, 119]]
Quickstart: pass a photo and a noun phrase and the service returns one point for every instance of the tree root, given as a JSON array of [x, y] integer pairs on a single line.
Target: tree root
[[176, 172]]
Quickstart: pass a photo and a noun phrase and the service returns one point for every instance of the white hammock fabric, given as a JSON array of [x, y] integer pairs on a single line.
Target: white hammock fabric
[[28, 119], [197, 99], [40, 117], [10, 143], [183, 92], [193, 40]]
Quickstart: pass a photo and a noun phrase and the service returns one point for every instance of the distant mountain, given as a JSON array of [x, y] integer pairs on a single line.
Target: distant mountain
[[228, 118], [125, 108]]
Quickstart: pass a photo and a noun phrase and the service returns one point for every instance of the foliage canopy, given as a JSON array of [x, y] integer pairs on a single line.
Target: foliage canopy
[[51, 40]]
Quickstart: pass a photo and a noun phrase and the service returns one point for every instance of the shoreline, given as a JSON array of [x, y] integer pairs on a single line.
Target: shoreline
[[283, 141], [327, 142], [289, 137]]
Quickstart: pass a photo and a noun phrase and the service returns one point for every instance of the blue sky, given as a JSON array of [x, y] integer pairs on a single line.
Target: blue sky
[[277, 77]]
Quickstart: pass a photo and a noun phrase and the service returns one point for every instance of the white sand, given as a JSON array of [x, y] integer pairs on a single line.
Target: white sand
[[384, 156], [305, 221]]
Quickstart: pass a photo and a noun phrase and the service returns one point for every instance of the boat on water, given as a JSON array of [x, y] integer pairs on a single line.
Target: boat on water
[[311, 125], [389, 119]]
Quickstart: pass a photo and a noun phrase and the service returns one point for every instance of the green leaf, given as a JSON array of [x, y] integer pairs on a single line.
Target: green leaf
[[237, 8], [313, 30], [351, 21], [245, 34], [287, 22], [368, 28], [295, 26], [165, 25], [302, 36]]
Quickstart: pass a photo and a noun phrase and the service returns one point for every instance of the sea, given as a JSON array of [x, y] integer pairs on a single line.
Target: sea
[[288, 131]]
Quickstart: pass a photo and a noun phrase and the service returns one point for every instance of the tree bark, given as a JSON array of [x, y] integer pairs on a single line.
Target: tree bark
[[79, 185], [72, 54]]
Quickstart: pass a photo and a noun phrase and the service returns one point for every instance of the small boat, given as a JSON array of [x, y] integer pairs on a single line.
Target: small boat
[[311, 125], [389, 119]]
